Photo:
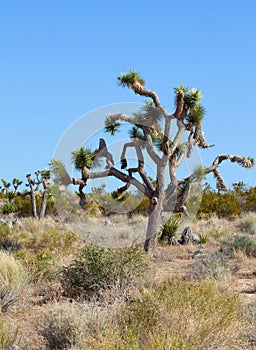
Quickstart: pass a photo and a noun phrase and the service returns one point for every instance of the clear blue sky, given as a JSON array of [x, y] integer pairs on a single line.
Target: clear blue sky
[[60, 59]]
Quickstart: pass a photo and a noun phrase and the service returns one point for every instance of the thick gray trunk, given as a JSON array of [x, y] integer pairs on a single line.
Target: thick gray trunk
[[154, 224]]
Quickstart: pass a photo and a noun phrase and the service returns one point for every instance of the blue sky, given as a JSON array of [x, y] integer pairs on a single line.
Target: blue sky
[[60, 59]]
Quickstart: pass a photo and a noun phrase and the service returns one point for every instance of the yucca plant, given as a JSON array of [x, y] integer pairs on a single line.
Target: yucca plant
[[169, 228]]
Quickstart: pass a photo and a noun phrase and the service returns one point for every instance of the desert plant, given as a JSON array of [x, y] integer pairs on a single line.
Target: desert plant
[[169, 228], [8, 208], [204, 237], [150, 135], [13, 278], [176, 315], [58, 330], [212, 266], [41, 264], [248, 224], [99, 268], [238, 243]]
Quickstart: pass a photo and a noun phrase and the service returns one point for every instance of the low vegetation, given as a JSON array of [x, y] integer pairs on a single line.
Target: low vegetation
[[68, 293]]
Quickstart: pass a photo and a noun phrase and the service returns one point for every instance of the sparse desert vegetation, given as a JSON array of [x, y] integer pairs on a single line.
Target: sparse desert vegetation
[[61, 291]]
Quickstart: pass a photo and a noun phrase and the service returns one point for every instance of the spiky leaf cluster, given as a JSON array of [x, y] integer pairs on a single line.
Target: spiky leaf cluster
[[196, 114], [128, 79], [192, 98], [136, 133], [83, 157], [111, 125]]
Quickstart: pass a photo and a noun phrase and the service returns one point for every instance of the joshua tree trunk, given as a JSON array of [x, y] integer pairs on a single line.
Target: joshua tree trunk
[[33, 203], [153, 228], [43, 206]]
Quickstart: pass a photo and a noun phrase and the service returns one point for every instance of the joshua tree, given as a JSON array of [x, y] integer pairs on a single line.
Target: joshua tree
[[42, 179], [151, 133]]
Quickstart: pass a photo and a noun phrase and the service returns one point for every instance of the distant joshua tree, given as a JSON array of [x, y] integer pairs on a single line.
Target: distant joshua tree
[[41, 180], [150, 134]]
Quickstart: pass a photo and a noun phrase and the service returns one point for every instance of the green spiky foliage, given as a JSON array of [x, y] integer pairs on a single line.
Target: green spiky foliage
[[192, 97], [196, 114], [128, 79], [111, 126], [136, 133], [83, 157]]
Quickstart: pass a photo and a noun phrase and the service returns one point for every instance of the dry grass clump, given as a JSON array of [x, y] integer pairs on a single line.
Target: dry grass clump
[[68, 325], [214, 227], [248, 223], [174, 315], [212, 266], [13, 278], [238, 243]]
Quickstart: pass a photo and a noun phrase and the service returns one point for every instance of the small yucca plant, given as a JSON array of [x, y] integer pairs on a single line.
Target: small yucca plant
[[169, 228]]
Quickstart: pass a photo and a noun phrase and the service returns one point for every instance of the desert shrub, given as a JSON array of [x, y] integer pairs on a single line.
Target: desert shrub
[[8, 208], [223, 205], [99, 268], [248, 224], [13, 278], [24, 207], [169, 228], [176, 315], [58, 330], [42, 238], [238, 243], [212, 266], [250, 199], [41, 264]]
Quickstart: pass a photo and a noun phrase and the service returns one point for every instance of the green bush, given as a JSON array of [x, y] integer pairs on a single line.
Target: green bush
[[223, 205], [8, 208], [238, 242], [99, 268], [41, 264]]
